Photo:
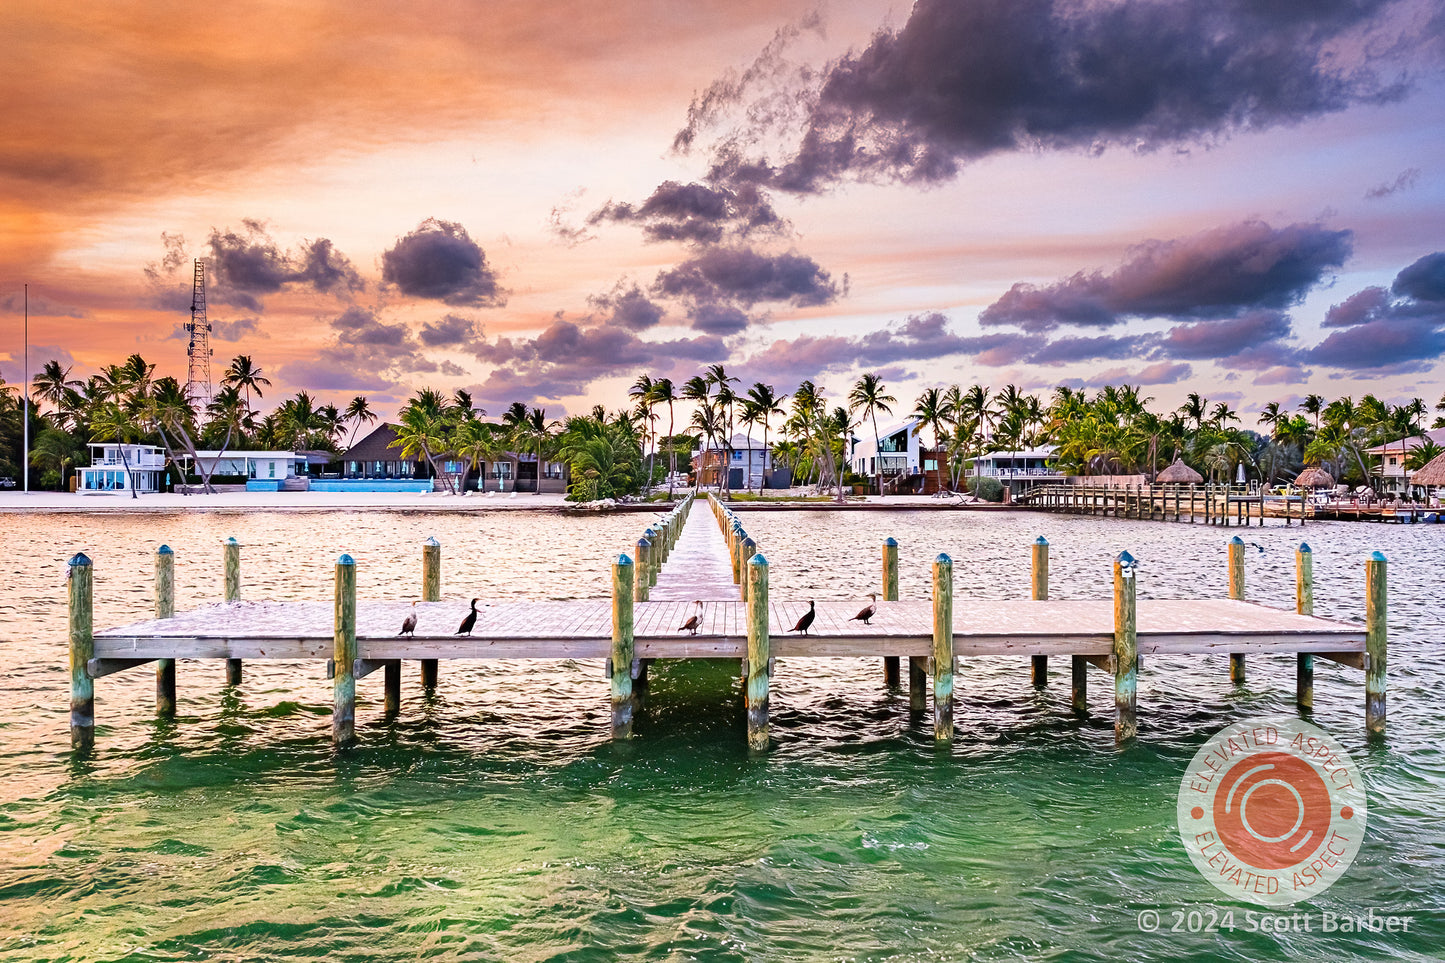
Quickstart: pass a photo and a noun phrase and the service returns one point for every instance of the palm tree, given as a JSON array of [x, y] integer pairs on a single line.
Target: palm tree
[[707, 418], [931, 412], [245, 375], [1313, 405], [642, 391], [697, 389], [538, 431], [54, 448], [768, 403], [112, 422], [870, 395], [52, 383], [664, 393], [751, 415], [1195, 409], [358, 411], [423, 429], [726, 399]]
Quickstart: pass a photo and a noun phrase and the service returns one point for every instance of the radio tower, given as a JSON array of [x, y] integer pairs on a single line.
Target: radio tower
[[198, 352]]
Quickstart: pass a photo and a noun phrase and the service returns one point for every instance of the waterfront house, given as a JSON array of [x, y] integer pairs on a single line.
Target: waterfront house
[[748, 463], [263, 471], [122, 468], [1392, 456], [1019, 470], [374, 460], [896, 454]]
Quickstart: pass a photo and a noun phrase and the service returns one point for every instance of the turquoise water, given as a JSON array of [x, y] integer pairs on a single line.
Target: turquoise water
[[496, 821]]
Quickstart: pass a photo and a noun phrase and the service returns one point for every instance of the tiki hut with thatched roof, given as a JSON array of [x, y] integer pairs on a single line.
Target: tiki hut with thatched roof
[[1178, 474], [1432, 475], [1315, 477]]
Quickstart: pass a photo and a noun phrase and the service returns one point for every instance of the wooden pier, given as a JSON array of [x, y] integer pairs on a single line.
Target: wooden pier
[[683, 568], [1222, 505]]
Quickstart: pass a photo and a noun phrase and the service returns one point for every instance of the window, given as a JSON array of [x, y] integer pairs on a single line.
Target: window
[[271, 469], [930, 464]]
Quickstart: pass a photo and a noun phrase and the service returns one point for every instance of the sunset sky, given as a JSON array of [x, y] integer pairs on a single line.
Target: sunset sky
[[540, 201]]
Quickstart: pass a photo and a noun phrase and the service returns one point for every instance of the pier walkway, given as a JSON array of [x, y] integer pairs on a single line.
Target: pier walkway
[[687, 559]]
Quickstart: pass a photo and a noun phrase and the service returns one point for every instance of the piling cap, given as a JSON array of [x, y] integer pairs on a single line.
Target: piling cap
[[643, 543], [650, 533], [1377, 556], [943, 558], [623, 559], [758, 559], [748, 540], [1041, 541], [1304, 548], [346, 560], [891, 542], [1236, 540], [432, 542], [79, 558], [232, 541], [164, 550], [1125, 558]]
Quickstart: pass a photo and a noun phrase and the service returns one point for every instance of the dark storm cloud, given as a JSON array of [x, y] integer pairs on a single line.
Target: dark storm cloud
[[695, 212], [964, 80], [744, 276], [247, 264], [1220, 339], [628, 307], [451, 331], [1221, 272], [1389, 331], [1424, 280], [440, 261]]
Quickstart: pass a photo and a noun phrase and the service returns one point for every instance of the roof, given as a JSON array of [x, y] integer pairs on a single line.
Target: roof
[[243, 453], [374, 447], [1044, 451], [1436, 435], [1315, 477], [1432, 474], [1179, 474]]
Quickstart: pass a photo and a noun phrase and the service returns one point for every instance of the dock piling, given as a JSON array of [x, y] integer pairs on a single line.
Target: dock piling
[[165, 608], [943, 649], [82, 650], [890, 594], [747, 549], [759, 654], [1376, 632], [626, 576], [431, 591], [1126, 651], [1236, 591], [644, 562], [1304, 585], [343, 689], [1039, 664], [233, 594]]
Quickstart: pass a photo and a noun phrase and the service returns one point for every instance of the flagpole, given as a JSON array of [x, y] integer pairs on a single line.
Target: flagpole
[[25, 373]]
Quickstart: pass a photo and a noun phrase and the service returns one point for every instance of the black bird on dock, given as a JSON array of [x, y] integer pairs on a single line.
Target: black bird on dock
[[691, 624], [806, 620], [866, 616], [469, 621], [408, 625]]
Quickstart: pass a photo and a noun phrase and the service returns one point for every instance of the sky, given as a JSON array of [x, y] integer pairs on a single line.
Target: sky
[[540, 202]]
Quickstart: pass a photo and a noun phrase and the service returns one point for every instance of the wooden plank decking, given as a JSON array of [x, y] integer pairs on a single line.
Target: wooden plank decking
[[583, 630]]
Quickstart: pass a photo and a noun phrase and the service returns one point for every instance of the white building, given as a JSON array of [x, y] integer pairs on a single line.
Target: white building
[[896, 452], [123, 468], [252, 465], [1027, 464], [1394, 454], [748, 464]]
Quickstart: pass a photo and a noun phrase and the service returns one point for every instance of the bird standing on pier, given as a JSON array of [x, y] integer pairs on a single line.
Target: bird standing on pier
[[806, 620], [408, 625], [469, 621], [691, 624], [867, 614]]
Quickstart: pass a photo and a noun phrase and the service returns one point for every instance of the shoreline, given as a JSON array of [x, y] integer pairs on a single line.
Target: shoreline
[[67, 503]]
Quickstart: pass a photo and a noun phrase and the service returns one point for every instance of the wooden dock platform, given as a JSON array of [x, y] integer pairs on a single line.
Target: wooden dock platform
[[683, 560]]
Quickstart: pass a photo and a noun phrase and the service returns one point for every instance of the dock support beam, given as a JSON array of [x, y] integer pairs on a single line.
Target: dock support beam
[[233, 594], [889, 593], [82, 650], [943, 649], [343, 689], [431, 591], [1304, 592], [1375, 638], [625, 578], [165, 608], [759, 654], [1126, 652], [1236, 591], [1039, 668]]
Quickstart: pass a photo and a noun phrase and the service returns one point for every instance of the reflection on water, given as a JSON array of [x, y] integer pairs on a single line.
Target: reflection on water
[[496, 821]]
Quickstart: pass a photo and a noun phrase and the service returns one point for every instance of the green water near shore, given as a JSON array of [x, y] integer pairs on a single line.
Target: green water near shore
[[496, 821]]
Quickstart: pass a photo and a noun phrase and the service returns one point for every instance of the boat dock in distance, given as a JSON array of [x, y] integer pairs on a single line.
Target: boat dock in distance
[[682, 560]]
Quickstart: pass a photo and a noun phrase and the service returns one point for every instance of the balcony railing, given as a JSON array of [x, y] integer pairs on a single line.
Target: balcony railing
[[1019, 473], [135, 462]]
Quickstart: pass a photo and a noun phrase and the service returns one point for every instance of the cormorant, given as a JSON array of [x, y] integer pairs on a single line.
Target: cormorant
[[867, 614], [691, 624], [408, 626], [469, 621], [806, 620]]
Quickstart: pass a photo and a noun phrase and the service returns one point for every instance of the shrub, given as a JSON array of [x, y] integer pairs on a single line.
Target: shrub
[[989, 489]]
